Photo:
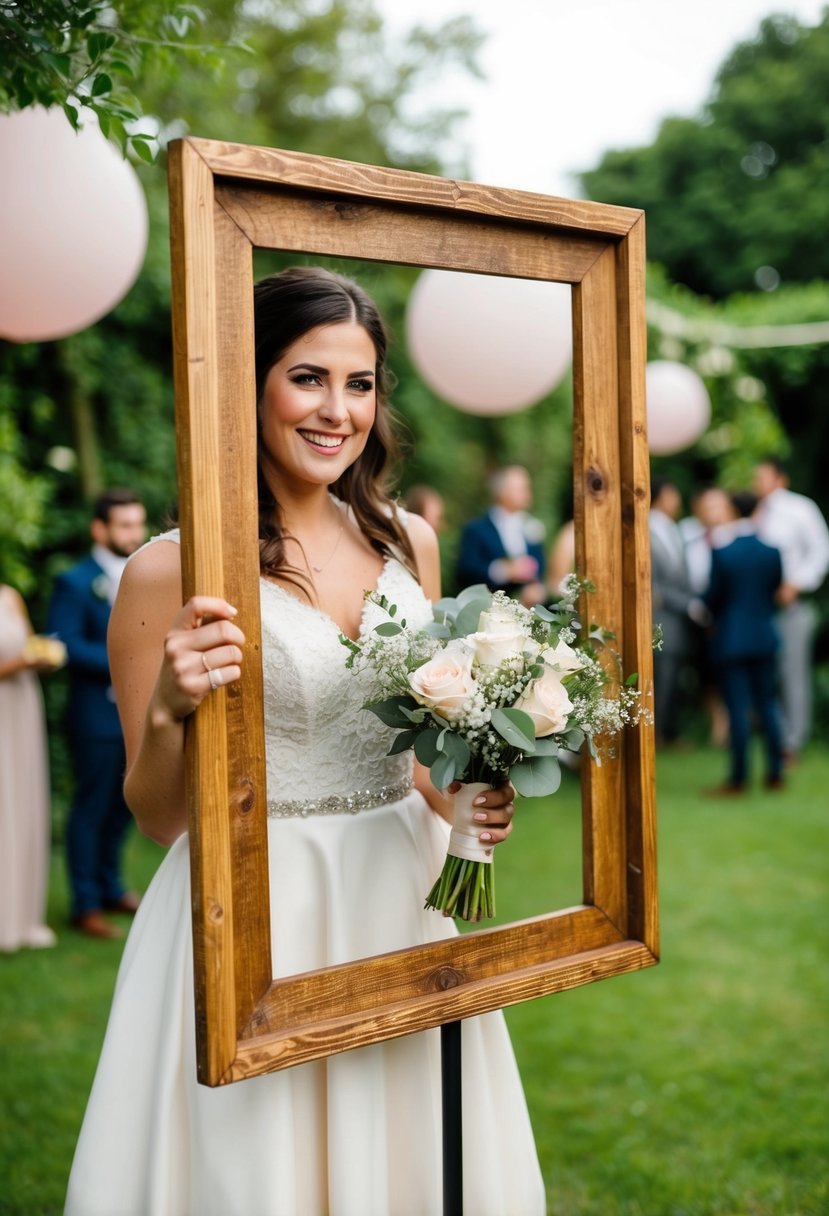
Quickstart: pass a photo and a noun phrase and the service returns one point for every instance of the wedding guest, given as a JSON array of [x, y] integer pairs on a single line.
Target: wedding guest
[[711, 507], [426, 501], [25, 821], [504, 548], [675, 607], [360, 1132], [793, 524], [79, 614], [745, 577]]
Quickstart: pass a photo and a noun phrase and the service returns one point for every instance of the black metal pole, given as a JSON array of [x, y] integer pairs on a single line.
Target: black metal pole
[[450, 1070]]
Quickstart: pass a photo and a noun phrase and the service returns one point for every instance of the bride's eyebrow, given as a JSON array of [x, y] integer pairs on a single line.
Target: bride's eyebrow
[[324, 371]]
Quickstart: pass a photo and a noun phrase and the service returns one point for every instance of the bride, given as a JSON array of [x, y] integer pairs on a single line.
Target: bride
[[357, 1134]]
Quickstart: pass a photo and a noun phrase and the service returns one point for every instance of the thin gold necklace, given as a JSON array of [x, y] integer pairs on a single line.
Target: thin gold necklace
[[319, 569]]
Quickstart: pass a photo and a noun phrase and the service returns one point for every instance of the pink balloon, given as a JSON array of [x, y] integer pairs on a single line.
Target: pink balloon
[[679, 408], [489, 345], [73, 226]]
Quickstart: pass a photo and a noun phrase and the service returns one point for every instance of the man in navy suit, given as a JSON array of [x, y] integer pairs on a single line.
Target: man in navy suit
[[745, 576], [505, 547], [79, 614]]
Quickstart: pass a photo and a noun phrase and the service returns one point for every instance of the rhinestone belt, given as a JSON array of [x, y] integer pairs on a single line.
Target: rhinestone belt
[[340, 804]]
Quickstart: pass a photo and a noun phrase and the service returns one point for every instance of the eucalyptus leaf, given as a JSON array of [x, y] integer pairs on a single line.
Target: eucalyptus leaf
[[388, 629], [536, 776], [455, 746], [546, 747], [443, 772], [516, 727], [436, 629], [469, 616]]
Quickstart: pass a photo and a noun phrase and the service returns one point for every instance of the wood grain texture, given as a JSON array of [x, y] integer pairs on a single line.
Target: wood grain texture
[[599, 557], [640, 775], [246, 795], [327, 175], [388, 232], [353, 1027], [198, 428]]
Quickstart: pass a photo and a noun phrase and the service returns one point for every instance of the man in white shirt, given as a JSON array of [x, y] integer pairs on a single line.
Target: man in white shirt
[[793, 524]]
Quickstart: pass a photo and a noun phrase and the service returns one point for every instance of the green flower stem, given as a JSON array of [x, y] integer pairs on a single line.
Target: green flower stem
[[464, 889]]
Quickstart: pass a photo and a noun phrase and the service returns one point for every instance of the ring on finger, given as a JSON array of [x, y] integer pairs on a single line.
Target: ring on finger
[[211, 679], [204, 662]]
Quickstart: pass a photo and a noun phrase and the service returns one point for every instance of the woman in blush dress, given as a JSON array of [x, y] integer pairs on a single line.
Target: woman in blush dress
[[25, 824], [355, 837]]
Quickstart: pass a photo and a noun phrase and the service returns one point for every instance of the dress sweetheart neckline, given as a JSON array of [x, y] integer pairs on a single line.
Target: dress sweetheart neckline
[[283, 591]]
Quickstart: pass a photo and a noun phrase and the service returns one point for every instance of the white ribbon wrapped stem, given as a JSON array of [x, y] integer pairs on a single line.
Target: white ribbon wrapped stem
[[464, 840]]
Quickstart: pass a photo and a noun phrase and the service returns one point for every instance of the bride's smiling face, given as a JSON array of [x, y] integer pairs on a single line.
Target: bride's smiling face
[[319, 403]]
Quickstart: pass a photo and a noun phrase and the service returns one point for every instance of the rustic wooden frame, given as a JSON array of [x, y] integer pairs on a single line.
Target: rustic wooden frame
[[227, 199]]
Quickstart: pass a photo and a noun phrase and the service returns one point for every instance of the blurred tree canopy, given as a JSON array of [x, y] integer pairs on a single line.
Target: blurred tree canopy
[[736, 201], [736, 198]]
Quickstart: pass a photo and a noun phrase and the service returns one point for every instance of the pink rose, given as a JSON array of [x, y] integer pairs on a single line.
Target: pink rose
[[547, 703], [446, 681]]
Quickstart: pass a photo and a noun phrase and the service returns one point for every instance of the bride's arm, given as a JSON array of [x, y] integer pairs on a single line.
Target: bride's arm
[[159, 658], [497, 807]]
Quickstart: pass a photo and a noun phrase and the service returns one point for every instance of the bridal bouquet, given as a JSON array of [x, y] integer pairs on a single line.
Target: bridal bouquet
[[487, 692]]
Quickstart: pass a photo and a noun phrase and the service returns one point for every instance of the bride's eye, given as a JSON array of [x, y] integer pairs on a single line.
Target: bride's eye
[[362, 386], [305, 378]]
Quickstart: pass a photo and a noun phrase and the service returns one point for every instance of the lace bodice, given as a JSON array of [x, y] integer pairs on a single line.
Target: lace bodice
[[319, 739], [320, 742]]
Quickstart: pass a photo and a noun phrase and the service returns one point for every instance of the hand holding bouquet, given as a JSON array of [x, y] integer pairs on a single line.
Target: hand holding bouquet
[[488, 692]]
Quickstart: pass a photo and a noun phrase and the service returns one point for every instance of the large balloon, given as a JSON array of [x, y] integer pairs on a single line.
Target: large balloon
[[679, 408], [489, 345], [73, 226]]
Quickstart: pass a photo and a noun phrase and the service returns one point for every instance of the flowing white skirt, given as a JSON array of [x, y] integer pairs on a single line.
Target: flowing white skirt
[[357, 1134]]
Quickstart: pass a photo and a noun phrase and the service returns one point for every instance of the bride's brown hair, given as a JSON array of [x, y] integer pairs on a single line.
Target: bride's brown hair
[[286, 306]]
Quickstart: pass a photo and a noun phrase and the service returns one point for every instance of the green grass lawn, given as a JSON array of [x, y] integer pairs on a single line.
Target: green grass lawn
[[696, 1088]]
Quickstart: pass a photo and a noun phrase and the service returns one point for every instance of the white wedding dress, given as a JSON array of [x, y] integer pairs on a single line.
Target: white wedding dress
[[353, 850]]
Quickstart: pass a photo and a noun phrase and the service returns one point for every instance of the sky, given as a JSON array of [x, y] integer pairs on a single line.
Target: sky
[[567, 80]]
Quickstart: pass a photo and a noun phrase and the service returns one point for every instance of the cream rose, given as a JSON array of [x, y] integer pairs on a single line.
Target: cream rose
[[547, 703], [446, 681], [499, 637], [562, 658]]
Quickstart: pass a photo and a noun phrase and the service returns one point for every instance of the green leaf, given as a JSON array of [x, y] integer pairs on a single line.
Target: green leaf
[[455, 745], [632, 679], [536, 776], [478, 591], [388, 629], [142, 149], [573, 739], [443, 772], [468, 618], [391, 712], [72, 114], [516, 727], [101, 84], [543, 613], [425, 747], [546, 746], [97, 43], [436, 629], [61, 63], [402, 742]]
